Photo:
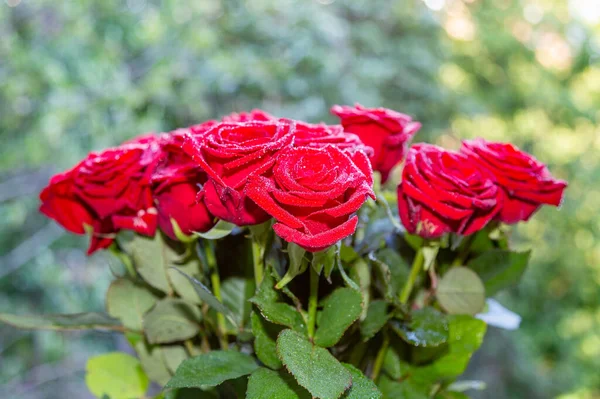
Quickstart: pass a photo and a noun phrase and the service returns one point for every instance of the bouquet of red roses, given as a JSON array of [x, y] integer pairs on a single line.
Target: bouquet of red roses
[[265, 257]]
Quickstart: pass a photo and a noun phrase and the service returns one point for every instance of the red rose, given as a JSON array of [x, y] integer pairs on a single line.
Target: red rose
[[254, 115], [108, 191], [312, 193], [230, 153], [176, 182], [443, 191], [526, 184], [387, 132], [321, 135]]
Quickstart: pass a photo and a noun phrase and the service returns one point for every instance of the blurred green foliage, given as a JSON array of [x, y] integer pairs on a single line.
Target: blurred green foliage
[[81, 76]]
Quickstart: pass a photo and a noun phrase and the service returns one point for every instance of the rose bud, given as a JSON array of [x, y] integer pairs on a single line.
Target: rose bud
[[444, 192], [386, 131], [526, 184], [312, 193]]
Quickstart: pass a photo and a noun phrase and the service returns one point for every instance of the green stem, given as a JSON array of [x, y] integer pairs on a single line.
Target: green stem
[[380, 357], [414, 273], [313, 301], [257, 260], [216, 286]]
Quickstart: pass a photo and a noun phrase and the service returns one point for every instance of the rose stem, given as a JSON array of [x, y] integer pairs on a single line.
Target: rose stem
[[257, 261], [313, 300], [414, 273], [216, 286], [380, 357]]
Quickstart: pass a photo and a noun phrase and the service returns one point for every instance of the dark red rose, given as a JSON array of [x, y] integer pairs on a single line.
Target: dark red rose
[[387, 132], [321, 135], [175, 185], [254, 115], [312, 193], [108, 191], [230, 153], [526, 184], [443, 191]]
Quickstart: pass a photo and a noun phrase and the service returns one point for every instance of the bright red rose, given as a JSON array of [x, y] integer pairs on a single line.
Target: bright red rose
[[108, 191], [312, 193], [175, 185], [254, 115], [443, 191], [230, 153], [321, 135], [526, 184], [387, 132]]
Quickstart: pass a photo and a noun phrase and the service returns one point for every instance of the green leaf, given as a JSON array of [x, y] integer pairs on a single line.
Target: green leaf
[[219, 230], [152, 258], [407, 389], [392, 270], [361, 274], [426, 328], [267, 301], [340, 309], [173, 356], [181, 284], [297, 265], [465, 337], [377, 316], [265, 334], [313, 367], [268, 384], [362, 387], [171, 320], [394, 366], [235, 292], [116, 375], [128, 302], [153, 362], [211, 369], [500, 268], [206, 296], [63, 322], [460, 291], [189, 393]]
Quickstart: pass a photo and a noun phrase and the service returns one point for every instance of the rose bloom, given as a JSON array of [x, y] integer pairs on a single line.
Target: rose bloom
[[175, 185], [321, 135], [230, 153], [526, 184], [386, 131], [312, 193], [108, 191], [444, 192]]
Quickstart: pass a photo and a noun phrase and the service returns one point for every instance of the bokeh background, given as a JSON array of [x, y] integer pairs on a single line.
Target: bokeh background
[[82, 75]]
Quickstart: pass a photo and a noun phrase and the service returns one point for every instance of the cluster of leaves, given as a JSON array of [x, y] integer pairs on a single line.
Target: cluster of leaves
[[200, 324]]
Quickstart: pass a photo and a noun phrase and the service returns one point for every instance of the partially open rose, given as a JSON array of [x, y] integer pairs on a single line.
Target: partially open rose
[[443, 191], [312, 193], [526, 184], [386, 131], [108, 191], [175, 185], [230, 153]]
